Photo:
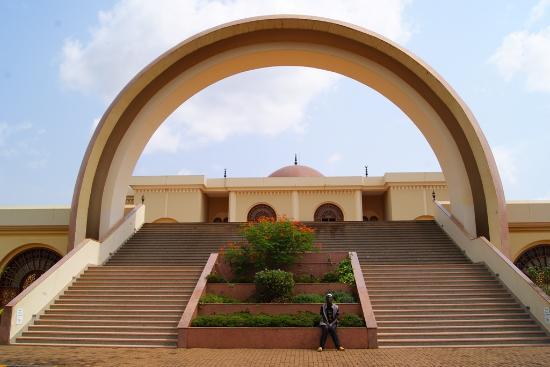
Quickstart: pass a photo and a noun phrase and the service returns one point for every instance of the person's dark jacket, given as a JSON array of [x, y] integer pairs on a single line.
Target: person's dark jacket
[[324, 317]]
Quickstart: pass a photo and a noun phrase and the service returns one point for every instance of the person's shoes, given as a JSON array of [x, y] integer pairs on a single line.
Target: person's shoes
[[341, 349], [320, 349]]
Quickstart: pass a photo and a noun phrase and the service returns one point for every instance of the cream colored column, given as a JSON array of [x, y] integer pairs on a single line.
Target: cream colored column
[[295, 205], [232, 206], [358, 206]]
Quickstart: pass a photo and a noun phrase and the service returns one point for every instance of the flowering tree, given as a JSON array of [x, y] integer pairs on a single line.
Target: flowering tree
[[271, 244]]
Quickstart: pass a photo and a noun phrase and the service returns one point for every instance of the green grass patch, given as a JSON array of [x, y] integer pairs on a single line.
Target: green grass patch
[[338, 296], [246, 319], [216, 298]]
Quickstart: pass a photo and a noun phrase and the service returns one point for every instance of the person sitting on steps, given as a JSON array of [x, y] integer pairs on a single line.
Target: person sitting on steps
[[329, 322]]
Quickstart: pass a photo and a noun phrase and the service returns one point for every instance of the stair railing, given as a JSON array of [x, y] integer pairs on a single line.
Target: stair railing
[[364, 299], [479, 249], [23, 309]]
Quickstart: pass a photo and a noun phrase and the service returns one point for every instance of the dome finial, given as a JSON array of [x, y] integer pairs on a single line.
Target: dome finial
[[295, 159]]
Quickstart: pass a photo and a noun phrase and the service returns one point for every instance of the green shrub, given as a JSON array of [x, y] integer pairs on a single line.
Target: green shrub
[[540, 275], [351, 320], [308, 298], [271, 244], [345, 272], [246, 319], [330, 277], [273, 284], [305, 278], [217, 298], [1, 311], [343, 297], [215, 278], [338, 297]]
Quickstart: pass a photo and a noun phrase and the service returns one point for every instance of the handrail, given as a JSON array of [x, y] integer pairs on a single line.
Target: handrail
[[364, 299], [192, 304], [120, 223], [481, 250]]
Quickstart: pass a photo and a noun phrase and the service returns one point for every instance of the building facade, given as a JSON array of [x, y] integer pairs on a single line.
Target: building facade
[[33, 239]]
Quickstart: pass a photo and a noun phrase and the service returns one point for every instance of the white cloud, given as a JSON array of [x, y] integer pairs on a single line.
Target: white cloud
[[335, 157], [538, 11], [527, 55], [507, 163], [133, 33], [240, 105]]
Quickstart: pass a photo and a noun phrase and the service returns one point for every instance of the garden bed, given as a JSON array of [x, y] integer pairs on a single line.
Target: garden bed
[[244, 291], [272, 308]]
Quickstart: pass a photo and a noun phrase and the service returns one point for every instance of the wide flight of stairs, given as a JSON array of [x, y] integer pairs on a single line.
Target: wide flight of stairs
[[137, 298], [424, 291]]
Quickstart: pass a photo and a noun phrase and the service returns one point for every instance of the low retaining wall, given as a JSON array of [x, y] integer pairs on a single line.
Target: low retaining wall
[[273, 308], [272, 337], [243, 291], [311, 263]]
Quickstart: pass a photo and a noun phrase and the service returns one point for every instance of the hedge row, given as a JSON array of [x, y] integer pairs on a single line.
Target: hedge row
[[246, 319]]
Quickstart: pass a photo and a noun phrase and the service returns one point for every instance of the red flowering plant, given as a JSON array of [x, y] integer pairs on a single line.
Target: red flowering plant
[[270, 244]]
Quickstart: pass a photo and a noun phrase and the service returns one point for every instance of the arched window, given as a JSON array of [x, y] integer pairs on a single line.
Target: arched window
[[538, 256], [328, 213], [24, 269], [261, 210]]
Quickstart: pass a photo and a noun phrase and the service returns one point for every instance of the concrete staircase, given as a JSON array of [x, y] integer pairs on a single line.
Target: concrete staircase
[[424, 291], [137, 298]]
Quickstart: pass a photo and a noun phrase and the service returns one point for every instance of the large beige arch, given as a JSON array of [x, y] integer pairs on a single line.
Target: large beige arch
[[448, 125]]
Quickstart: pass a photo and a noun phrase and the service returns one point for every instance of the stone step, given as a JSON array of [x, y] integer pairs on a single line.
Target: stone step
[[387, 330], [97, 341], [118, 306], [471, 342], [111, 316], [105, 328], [449, 316], [443, 311], [76, 323], [102, 334], [453, 322], [461, 335], [122, 312]]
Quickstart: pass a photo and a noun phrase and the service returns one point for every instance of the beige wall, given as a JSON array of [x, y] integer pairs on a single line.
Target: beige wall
[[183, 205], [280, 201], [23, 228], [408, 202], [14, 242], [523, 240], [311, 200]]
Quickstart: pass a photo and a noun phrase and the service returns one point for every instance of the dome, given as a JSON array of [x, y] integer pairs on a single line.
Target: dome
[[296, 170]]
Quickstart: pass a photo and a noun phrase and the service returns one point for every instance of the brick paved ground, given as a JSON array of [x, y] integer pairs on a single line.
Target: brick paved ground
[[119, 357]]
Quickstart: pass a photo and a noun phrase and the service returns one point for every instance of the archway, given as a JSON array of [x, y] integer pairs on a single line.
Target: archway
[[23, 269], [468, 165], [328, 213], [536, 256], [260, 210]]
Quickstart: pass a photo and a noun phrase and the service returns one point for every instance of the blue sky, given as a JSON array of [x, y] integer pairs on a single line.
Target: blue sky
[[63, 62]]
